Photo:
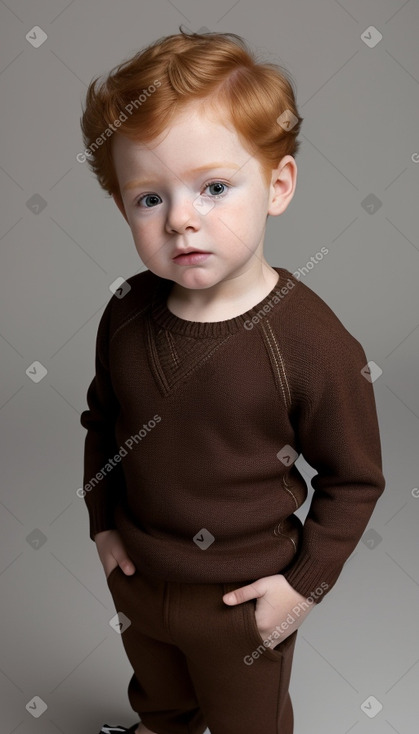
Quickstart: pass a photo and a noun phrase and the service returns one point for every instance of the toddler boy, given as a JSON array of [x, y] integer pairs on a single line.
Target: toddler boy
[[214, 372]]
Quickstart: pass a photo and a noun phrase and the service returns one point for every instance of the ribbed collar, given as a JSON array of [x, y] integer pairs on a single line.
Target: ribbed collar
[[168, 320]]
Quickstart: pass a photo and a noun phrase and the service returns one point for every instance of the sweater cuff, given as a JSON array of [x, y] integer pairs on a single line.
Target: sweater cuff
[[100, 518], [311, 578]]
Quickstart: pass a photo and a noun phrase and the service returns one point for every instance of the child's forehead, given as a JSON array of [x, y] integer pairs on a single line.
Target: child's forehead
[[199, 141], [197, 114], [197, 121]]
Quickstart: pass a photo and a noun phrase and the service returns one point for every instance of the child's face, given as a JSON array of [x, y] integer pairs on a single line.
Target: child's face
[[176, 209]]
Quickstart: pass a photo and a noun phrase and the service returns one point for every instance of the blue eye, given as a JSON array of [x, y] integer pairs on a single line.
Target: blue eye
[[218, 194], [157, 199], [147, 196]]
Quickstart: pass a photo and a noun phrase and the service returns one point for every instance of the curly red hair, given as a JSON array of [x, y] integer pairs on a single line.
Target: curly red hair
[[141, 96]]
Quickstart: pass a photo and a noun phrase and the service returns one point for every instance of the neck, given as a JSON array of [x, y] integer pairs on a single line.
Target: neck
[[224, 300]]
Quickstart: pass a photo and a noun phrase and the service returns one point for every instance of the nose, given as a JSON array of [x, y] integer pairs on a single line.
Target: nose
[[182, 214]]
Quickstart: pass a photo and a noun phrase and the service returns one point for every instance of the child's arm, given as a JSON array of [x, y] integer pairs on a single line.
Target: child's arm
[[102, 481], [336, 428], [337, 431], [103, 475]]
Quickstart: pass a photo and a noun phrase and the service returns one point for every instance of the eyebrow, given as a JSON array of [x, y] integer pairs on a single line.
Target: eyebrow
[[200, 169]]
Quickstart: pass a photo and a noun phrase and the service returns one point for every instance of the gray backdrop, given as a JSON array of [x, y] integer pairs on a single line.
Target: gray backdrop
[[63, 242]]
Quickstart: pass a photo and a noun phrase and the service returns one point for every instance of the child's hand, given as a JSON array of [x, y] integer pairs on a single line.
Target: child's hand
[[112, 552], [277, 603]]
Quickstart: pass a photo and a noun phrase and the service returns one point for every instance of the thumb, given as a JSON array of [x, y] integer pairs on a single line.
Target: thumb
[[243, 594], [127, 566], [124, 562]]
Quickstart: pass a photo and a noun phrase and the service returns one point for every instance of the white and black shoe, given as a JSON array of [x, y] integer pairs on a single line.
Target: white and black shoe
[[106, 729]]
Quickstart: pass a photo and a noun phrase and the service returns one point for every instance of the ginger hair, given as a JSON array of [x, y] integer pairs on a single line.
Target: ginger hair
[[158, 82]]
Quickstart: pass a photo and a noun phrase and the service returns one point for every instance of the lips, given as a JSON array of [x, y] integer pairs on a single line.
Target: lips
[[190, 252], [193, 257]]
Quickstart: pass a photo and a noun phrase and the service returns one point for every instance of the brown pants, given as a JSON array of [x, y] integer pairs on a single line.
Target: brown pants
[[198, 662]]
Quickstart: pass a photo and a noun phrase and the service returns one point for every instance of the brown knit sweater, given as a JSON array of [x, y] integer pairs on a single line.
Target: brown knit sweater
[[193, 430]]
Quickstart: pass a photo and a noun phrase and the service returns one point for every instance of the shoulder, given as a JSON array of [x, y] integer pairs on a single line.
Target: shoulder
[[308, 320], [320, 357], [132, 297], [318, 352]]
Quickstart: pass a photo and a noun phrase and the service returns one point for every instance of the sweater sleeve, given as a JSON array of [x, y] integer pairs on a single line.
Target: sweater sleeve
[[336, 427], [102, 479]]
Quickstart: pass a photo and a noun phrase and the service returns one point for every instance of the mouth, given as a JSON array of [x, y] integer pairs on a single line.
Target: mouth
[[191, 257], [183, 253]]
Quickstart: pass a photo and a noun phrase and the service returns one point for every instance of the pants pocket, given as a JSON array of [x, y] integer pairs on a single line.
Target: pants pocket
[[245, 618], [282, 646]]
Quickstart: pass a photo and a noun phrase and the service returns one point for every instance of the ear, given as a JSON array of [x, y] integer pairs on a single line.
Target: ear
[[118, 201], [283, 183]]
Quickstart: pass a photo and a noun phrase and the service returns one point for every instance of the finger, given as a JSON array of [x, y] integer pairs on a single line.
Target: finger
[[126, 565], [243, 594], [123, 560]]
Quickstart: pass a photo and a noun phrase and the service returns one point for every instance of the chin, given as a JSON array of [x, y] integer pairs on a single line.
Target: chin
[[194, 277]]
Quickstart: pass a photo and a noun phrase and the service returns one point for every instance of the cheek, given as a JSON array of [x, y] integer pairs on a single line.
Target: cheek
[[243, 223], [144, 229]]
